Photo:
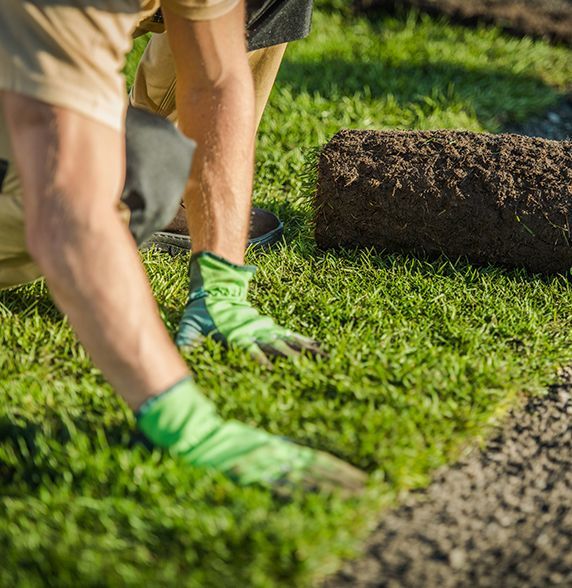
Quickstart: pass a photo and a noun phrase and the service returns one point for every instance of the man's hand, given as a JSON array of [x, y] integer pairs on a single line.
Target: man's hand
[[216, 107], [185, 423], [218, 308]]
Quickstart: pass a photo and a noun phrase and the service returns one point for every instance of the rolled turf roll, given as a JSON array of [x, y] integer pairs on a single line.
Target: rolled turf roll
[[501, 199]]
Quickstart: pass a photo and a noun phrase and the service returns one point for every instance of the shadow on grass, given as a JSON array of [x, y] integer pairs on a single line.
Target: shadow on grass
[[496, 96], [28, 299], [435, 265], [550, 20], [37, 449]]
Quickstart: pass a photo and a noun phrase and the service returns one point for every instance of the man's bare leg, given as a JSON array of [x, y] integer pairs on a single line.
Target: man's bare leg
[[72, 172], [155, 82]]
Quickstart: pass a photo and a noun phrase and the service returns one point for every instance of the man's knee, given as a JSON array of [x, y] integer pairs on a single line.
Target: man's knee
[[155, 80]]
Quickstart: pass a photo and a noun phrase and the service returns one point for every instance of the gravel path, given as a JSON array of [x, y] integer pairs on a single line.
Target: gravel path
[[501, 517], [555, 124]]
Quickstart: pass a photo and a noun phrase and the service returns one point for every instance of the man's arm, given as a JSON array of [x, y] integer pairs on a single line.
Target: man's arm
[[216, 106], [72, 173], [71, 170]]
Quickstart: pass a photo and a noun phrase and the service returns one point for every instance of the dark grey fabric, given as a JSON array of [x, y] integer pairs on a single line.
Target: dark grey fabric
[[3, 172], [159, 161], [273, 22], [268, 22]]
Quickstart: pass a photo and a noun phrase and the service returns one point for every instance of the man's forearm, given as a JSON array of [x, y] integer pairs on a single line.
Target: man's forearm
[[216, 105], [86, 253], [219, 193]]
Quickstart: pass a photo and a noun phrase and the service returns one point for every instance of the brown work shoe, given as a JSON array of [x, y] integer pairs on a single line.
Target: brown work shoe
[[265, 230]]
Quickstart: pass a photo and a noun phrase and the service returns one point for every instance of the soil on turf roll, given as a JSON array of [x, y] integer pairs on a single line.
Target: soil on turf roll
[[551, 19], [502, 199]]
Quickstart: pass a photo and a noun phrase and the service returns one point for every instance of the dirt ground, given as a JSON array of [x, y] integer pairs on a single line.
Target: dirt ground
[[555, 124], [502, 199], [550, 19], [501, 517]]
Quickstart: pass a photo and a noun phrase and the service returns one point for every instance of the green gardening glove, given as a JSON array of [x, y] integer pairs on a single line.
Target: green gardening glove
[[218, 308], [185, 423]]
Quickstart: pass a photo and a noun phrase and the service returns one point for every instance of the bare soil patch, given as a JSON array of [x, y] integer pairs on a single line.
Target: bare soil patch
[[549, 19], [500, 517], [503, 199]]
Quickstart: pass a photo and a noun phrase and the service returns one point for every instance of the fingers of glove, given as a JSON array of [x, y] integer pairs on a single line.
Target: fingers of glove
[[259, 355], [326, 474], [329, 473], [189, 338], [301, 344], [277, 348]]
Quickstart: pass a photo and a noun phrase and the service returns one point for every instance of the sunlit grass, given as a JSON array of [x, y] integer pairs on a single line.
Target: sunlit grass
[[423, 355]]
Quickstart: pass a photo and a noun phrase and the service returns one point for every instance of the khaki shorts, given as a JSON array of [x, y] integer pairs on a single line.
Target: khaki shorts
[[155, 84], [70, 53]]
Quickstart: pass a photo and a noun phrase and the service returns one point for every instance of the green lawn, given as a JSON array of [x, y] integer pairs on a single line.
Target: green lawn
[[424, 355]]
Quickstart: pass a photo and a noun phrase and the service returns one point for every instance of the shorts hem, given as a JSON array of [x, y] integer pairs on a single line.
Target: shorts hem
[[63, 96]]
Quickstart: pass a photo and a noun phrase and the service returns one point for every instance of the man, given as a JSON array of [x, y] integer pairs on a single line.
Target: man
[[218, 217], [62, 148]]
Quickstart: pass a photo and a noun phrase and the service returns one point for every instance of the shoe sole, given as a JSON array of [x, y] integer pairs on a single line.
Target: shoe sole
[[175, 244]]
